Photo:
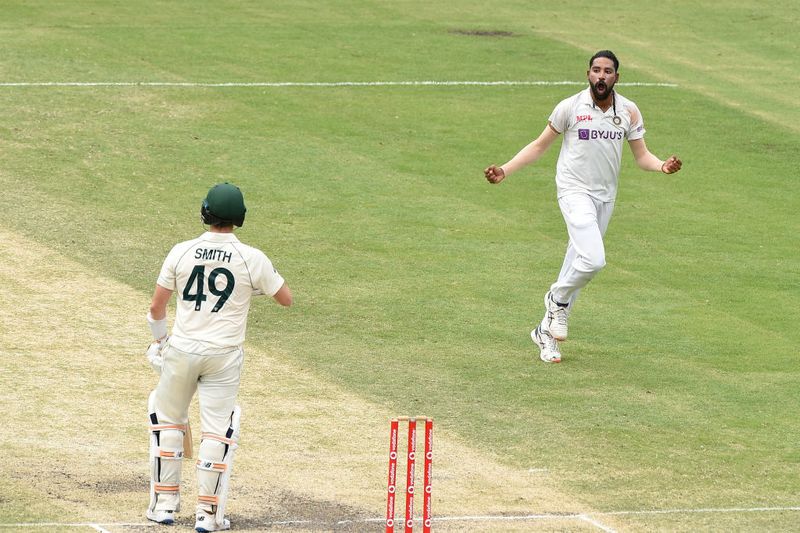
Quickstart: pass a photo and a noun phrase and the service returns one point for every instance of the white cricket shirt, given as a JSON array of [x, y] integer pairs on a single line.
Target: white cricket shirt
[[214, 277], [591, 151]]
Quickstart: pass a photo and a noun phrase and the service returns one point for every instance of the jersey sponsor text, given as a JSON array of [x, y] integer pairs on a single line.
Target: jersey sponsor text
[[586, 134]]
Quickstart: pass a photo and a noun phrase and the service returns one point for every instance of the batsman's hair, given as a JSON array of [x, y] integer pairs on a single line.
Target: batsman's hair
[[608, 54]]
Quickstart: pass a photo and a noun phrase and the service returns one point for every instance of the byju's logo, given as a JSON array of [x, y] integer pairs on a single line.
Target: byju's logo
[[585, 134]]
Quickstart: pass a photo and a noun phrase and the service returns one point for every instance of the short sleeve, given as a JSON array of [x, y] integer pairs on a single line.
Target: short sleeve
[[167, 276], [636, 130], [266, 279], [560, 116]]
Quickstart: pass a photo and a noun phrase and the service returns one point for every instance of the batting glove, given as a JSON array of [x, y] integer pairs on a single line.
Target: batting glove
[[153, 354]]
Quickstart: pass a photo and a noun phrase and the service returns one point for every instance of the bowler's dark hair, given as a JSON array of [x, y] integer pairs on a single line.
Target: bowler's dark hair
[[608, 54]]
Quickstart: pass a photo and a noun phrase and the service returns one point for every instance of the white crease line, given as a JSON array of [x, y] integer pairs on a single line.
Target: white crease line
[[596, 523], [586, 517], [505, 518], [420, 83], [96, 526]]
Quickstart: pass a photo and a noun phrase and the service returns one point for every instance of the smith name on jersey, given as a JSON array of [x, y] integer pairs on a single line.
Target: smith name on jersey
[[214, 277]]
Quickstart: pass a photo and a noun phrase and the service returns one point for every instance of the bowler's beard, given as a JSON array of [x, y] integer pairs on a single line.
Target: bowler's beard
[[601, 90]]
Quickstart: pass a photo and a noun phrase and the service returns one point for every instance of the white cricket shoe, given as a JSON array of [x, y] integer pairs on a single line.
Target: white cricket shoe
[[555, 319], [206, 522], [162, 517], [547, 344]]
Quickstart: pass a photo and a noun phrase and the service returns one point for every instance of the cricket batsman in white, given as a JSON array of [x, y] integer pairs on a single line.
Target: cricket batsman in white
[[594, 123], [215, 277]]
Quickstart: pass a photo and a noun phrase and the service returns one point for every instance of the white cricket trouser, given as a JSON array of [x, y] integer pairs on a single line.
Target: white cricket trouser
[[216, 379], [587, 220]]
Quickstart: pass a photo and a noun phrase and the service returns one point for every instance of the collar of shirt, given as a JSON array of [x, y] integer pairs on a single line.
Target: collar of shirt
[[214, 236], [586, 99]]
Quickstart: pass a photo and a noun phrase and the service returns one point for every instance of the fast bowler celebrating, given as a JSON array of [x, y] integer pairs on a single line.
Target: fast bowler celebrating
[[594, 123], [215, 277]]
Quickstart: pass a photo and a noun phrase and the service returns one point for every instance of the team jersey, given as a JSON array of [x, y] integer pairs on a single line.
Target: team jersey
[[214, 277], [591, 151]]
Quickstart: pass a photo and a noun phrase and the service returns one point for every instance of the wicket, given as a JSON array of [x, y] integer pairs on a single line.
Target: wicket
[[394, 430]]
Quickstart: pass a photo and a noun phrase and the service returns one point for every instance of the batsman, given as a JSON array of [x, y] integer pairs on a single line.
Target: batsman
[[215, 277]]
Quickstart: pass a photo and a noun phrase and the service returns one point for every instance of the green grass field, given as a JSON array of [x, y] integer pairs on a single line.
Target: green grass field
[[416, 283]]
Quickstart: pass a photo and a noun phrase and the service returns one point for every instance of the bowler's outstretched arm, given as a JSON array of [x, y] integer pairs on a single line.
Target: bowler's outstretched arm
[[526, 156], [647, 161]]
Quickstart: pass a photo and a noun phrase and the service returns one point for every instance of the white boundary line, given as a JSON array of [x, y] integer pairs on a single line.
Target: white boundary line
[[421, 83], [590, 518]]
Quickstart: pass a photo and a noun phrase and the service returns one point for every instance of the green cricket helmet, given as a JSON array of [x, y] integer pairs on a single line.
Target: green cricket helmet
[[223, 205]]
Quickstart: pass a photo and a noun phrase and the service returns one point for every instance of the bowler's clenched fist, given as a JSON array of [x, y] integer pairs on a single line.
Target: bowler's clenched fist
[[671, 165], [495, 174]]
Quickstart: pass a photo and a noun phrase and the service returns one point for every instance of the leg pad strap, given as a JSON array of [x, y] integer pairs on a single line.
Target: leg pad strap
[[208, 500], [166, 488]]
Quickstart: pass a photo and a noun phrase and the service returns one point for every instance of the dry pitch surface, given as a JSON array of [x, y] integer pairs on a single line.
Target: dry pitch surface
[[312, 456]]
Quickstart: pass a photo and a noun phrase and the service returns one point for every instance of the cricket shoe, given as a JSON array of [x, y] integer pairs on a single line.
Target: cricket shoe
[[547, 344], [162, 517], [206, 523], [555, 319]]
